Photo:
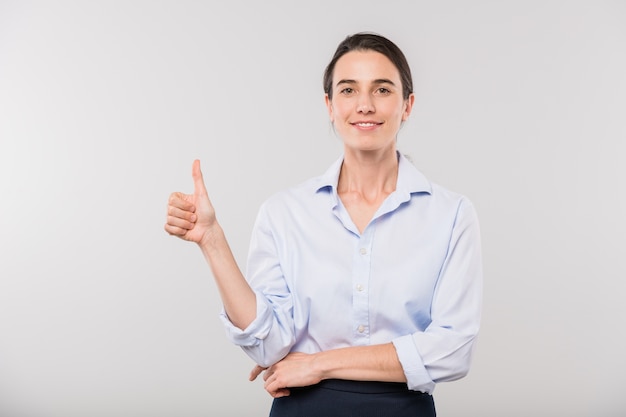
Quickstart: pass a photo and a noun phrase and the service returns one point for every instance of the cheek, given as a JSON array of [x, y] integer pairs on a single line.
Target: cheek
[[340, 111]]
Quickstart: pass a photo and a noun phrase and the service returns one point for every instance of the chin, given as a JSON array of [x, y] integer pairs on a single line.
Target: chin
[[361, 145]]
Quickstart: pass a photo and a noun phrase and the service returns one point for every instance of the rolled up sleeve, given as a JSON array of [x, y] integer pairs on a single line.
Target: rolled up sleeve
[[443, 351], [271, 334]]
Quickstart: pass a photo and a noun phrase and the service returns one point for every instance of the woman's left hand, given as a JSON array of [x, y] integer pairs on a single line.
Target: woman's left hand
[[294, 370]]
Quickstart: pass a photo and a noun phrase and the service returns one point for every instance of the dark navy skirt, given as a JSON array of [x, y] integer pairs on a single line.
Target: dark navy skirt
[[336, 397]]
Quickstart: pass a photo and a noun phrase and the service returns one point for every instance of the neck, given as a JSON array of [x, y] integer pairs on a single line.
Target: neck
[[369, 173]]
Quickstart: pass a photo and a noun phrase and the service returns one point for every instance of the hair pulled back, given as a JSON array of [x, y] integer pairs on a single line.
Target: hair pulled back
[[367, 41]]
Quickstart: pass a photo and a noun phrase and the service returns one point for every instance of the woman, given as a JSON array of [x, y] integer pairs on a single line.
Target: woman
[[364, 284]]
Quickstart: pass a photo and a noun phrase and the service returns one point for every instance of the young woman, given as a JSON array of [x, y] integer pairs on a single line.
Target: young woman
[[364, 284]]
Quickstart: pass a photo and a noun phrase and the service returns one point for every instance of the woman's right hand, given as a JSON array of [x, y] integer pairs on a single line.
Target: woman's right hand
[[191, 216]]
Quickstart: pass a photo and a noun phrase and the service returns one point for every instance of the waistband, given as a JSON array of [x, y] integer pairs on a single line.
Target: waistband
[[364, 387]]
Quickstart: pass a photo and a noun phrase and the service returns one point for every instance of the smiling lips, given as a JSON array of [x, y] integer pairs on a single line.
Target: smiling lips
[[366, 125]]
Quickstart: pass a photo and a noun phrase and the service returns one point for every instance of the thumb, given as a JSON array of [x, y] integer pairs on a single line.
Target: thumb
[[198, 182]]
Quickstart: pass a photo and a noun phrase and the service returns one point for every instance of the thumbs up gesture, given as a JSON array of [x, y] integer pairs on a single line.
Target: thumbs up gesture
[[191, 216]]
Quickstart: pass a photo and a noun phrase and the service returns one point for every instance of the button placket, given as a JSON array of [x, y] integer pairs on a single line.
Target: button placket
[[360, 280]]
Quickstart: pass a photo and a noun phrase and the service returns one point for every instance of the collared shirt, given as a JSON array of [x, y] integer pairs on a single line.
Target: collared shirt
[[413, 277]]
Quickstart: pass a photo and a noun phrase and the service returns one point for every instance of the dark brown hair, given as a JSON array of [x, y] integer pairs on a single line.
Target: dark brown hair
[[367, 41]]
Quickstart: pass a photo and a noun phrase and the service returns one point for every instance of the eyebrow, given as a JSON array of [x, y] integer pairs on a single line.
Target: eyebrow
[[377, 81]]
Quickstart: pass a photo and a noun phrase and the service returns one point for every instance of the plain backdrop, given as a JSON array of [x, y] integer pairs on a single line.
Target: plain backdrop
[[520, 105]]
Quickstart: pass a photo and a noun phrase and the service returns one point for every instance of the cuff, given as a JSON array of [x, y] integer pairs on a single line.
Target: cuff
[[417, 376], [257, 330]]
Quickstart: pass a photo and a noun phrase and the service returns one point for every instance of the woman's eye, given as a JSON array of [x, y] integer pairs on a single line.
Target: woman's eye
[[383, 90], [347, 90]]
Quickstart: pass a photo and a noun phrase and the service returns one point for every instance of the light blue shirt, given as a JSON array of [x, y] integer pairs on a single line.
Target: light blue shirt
[[413, 277]]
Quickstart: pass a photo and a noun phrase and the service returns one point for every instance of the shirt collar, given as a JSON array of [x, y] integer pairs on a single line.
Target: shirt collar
[[410, 179]]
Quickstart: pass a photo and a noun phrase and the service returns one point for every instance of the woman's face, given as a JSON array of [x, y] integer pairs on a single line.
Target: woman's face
[[367, 107]]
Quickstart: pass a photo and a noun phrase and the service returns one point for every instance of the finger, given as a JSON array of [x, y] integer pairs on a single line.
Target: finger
[[283, 392], [181, 214], [180, 223], [255, 372], [198, 182], [181, 201], [174, 230], [275, 390]]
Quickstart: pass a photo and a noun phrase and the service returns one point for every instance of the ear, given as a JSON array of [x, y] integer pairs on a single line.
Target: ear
[[408, 106], [329, 107]]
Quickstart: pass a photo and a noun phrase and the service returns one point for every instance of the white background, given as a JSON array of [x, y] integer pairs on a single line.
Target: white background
[[104, 105]]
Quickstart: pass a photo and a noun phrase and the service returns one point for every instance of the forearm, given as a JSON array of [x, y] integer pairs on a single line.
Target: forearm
[[237, 296], [360, 363]]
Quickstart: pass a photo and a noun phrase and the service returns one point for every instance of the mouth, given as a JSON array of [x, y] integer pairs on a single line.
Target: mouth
[[365, 125]]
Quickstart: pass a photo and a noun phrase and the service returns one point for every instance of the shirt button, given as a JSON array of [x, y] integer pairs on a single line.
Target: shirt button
[[363, 251], [361, 329], [359, 287]]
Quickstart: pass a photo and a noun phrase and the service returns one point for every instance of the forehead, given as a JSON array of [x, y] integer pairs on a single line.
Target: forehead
[[365, 66]]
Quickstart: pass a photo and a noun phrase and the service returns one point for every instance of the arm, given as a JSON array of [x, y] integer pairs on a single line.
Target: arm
[[192, 217], [260, 322], [271, 335], [358, 363], [441, 352]]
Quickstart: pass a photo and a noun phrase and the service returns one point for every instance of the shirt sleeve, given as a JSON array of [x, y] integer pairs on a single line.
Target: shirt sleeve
[[443, 351], [271, 334]]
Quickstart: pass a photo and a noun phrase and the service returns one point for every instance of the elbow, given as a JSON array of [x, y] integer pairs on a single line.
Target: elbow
[[462, 371], [266, 352], [451, 373], [266, 359], [459, 365]]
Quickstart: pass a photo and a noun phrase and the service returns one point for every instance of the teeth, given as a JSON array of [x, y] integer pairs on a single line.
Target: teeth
[[366, 124]]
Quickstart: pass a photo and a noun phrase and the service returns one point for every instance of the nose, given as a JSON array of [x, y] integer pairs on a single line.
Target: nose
[[365, 104]]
